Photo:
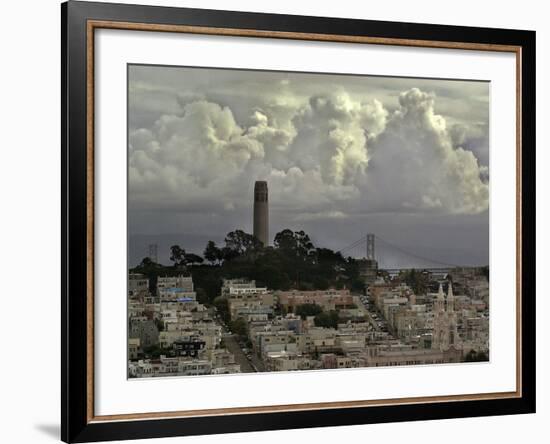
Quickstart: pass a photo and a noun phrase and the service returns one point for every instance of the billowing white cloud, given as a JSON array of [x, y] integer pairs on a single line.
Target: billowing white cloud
[[185, 158], [332, 135], [324, 155], [417, 165]]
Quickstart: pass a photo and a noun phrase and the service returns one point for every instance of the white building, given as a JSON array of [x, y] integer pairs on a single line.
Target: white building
[[183, 282]]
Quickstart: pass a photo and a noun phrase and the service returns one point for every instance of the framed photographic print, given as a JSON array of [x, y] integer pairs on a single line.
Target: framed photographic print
[[275, 221]]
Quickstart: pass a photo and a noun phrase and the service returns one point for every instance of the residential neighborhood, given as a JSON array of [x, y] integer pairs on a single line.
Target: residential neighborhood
[[252, 328]]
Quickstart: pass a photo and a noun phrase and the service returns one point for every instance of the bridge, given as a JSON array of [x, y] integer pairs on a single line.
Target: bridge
[[393, 258]]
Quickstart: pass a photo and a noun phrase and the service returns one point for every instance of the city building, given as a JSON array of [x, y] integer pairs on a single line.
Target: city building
[[185, 283], [390, 326], [134, 348], [190, 346], [413, 357], [233, 285], [175, 288], [368, 270], [327, 299], [138, 286], [145, 330]]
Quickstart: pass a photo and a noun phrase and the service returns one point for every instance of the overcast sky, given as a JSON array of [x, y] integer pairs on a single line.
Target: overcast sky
[[343, 155]]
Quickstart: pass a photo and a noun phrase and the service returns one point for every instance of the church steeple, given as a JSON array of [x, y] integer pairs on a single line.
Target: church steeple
[[439, 304], [445, 331], [450, 298]]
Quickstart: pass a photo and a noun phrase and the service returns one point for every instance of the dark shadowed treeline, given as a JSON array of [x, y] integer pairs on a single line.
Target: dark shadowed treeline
[[292, 262]]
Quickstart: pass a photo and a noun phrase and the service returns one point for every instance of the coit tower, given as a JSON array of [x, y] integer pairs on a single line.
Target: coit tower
[[261, 212]]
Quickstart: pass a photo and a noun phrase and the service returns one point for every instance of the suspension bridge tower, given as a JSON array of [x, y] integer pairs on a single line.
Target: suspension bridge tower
[[370, 247], [369, 266]]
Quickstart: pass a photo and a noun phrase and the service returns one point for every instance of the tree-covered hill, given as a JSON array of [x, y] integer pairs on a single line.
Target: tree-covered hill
[[292, 262]]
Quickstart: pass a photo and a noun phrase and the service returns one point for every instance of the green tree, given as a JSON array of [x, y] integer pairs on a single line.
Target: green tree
[[294, 244], [212, 253], [239, 243], [222, 307], [177, 255], [209, 279], [305, 310], [329, 257], [154, 351], [271, 274], [159, 324], [284, 240], [304, 245], [191, 258], [327, 319], [228, 254], [321, 283], [202, 296], [146, 262], [417, 280], [150, 269], [239, 327]]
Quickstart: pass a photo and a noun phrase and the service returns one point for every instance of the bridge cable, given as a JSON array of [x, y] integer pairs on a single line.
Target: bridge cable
[[415, 256], [352, 245]]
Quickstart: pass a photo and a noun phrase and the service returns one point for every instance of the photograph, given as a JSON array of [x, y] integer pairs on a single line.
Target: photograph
[[284, 221]]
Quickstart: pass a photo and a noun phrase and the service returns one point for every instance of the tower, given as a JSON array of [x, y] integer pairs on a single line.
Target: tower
[[370, 246], [450, 299], [369, 267], [439, 303], [261, 212], [454, 339], [445, 331], [440, 334]]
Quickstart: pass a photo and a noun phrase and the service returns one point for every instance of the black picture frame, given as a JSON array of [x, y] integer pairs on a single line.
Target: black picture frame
[[76, 424]]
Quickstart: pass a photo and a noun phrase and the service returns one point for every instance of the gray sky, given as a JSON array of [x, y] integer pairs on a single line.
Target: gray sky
[[343, 155]]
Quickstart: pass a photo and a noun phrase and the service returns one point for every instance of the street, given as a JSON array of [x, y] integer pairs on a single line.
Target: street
[[361, 306], [240, 358]]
